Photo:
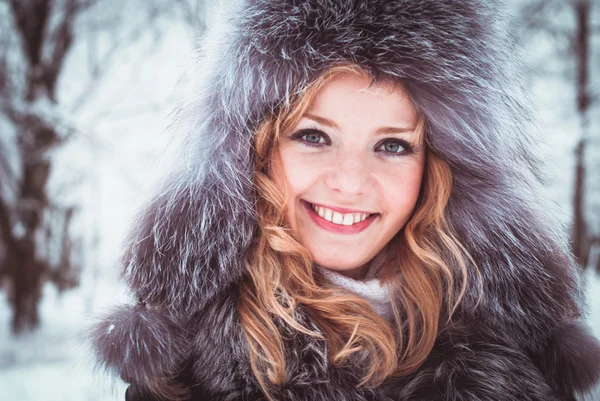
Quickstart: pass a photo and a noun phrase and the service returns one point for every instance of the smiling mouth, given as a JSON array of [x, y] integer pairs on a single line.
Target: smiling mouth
[[341, 219]]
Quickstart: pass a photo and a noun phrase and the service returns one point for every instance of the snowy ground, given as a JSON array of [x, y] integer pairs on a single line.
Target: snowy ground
[[54, 365]]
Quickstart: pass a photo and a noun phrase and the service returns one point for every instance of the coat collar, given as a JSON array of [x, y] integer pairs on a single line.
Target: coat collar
[[469, 360]]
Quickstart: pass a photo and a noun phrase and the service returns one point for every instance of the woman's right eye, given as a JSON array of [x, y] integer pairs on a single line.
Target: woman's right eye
[[311, 137]]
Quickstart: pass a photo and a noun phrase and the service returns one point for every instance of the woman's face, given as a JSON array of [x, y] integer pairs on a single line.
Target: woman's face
[[352, 170]]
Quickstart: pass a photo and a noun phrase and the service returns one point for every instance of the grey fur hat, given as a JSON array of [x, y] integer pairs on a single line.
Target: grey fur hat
[[185, 251]]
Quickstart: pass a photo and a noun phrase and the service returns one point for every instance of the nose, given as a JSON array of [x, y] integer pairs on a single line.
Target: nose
[[348, 176]]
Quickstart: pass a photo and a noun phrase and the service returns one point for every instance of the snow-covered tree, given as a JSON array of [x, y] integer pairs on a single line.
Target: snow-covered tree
[[36, 40], [572, 29]]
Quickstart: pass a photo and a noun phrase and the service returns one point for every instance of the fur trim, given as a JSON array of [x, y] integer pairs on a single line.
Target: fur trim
[[466, 365], [139, 344], [219, 343], [571, 359]]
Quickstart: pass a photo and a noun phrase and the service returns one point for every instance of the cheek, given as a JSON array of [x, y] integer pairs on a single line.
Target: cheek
[[300, 170], [402, 191], [295, 177]]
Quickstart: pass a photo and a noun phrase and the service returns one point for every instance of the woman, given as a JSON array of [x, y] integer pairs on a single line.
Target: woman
[[358, 215]]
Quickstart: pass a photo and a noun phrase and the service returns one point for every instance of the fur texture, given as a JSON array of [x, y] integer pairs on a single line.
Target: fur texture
[[141, 342], [185, 254]]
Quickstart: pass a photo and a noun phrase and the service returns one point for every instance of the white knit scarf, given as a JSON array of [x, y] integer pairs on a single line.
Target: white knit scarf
[[370, 288]]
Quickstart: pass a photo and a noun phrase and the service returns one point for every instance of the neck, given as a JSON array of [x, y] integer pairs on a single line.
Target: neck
[[368, 270], [357, 273]]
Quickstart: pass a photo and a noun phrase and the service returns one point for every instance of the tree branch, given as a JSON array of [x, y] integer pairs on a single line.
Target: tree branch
[[6, 232], [61, 39], [31, 18]]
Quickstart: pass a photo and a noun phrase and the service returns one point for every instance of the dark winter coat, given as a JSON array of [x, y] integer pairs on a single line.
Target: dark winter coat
[[184, 257]]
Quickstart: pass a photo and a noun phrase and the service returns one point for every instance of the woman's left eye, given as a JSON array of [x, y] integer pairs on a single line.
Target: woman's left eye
[[395, 147]]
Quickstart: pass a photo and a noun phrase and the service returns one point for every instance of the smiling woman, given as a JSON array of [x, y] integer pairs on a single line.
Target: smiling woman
[[351, 156], [339, 173], [359, 216], [354, 155]]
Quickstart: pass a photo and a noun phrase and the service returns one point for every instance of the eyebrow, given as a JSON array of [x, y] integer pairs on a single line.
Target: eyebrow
[[384, 130]]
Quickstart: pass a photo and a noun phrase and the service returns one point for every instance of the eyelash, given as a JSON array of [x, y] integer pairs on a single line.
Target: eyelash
[[299, 136]]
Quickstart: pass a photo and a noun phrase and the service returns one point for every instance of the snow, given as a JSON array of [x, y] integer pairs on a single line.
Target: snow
[[593, 300], [54, 363], [593, 317], [57, 381]]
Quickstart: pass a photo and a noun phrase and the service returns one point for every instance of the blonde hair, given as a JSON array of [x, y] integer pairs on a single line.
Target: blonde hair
[[419, 268]]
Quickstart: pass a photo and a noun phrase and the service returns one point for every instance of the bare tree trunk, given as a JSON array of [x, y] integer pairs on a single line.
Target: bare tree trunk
[[35, 140], [579, 235], [36, 137]]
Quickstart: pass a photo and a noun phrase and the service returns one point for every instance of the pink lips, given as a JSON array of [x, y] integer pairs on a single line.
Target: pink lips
[[337, 228]]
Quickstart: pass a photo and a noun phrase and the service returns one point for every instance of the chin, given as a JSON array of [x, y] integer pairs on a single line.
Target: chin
[[340, 265]]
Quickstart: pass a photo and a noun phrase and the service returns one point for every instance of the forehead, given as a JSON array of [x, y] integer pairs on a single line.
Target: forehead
[[352, 96]]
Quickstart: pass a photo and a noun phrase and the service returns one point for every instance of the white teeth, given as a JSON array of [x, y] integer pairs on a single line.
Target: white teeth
[[348, 219], [339, 218]]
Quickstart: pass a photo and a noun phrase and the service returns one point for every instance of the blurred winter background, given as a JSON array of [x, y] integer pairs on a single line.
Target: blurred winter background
[[86, 89]]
